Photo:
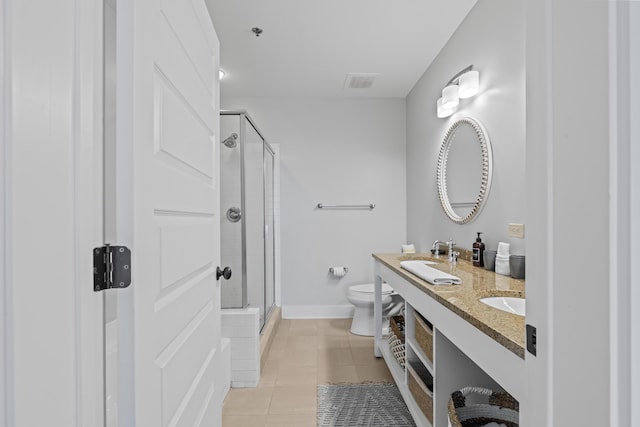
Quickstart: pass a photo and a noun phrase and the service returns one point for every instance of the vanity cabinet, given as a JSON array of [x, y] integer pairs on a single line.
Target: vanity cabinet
[[416, 379], [443, 351]]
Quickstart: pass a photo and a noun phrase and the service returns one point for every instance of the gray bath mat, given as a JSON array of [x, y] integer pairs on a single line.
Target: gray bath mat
[[362, 405]]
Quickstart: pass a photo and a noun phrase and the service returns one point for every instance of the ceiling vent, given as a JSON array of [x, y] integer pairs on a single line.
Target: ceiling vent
[[360, 80]]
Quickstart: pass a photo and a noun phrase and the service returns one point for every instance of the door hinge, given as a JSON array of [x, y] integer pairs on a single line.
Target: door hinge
[[111, 267]]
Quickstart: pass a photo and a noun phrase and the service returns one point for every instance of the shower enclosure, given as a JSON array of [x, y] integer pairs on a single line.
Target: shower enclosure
[[247, 217]]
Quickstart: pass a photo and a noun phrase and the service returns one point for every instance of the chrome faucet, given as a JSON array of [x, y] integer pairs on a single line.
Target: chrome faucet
[[452, 256], [436, 247]]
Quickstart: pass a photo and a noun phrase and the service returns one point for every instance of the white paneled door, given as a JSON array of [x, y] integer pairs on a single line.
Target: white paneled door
[[50, 213], [167, 120]]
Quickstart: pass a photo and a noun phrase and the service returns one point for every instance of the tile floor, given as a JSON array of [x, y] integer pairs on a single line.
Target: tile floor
[[304, 353]]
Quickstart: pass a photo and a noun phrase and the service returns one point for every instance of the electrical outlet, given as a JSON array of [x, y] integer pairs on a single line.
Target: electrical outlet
[[516, 230]]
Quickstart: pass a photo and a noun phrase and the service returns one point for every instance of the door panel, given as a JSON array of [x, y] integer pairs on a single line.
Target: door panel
[[186, 363], [184, 249], [181, 124], [175, 203], [174, 60], [50, 211]]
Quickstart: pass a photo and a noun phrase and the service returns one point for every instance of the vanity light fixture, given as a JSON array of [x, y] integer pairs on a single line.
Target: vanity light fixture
[[463, 85], [450, 97], [443, 112], [469, 84]]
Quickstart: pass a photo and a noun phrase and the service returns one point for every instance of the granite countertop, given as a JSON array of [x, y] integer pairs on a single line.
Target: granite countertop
[[505, 328]]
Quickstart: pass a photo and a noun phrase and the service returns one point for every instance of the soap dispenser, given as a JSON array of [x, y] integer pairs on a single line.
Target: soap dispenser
[[478, 252]]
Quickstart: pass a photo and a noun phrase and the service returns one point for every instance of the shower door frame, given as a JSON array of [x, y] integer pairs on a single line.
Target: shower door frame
[[244, 117], [268, 310]]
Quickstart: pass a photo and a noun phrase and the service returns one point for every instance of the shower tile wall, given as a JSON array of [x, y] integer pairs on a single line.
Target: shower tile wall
[[230, 232], [242, 327]]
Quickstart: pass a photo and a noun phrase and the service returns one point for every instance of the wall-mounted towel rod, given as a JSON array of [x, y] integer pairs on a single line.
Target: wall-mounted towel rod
[[363, 206]]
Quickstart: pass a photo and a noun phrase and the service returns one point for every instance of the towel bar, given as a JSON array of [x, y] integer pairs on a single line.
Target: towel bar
[[365, 206]]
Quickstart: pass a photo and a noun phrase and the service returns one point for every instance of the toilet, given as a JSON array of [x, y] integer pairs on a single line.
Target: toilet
[[362, 297]]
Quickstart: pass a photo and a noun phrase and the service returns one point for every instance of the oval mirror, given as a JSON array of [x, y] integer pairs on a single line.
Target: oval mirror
[[464, 170]]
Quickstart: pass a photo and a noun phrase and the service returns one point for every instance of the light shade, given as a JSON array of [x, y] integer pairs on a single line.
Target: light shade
[[450, 97], [469, 84], [221, 73], [441, 111]]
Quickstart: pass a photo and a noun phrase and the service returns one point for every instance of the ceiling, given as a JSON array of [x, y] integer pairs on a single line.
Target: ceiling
[[308, 47]]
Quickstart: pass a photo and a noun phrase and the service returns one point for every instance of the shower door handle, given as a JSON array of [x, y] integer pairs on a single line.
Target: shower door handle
[[226, 273]]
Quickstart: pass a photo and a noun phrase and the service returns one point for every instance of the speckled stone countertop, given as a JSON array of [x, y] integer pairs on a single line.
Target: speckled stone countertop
[[464, 299]]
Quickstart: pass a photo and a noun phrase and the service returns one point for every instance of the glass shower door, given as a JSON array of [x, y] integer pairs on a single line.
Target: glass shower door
[[254, 219], [247, 224], [269, 229]]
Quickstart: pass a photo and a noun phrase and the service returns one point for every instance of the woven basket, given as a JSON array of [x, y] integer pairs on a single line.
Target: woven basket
[[424, 336], [500, 408], [420, 383], [397, 327], [397, 349]]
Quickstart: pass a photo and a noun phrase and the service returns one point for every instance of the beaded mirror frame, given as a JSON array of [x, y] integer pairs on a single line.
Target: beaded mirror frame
[[487, 170]]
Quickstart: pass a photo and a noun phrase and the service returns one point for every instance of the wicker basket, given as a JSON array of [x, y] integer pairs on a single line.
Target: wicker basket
[[421, 389], [397, 349], [424, 336], [499, 408], [397, 327]]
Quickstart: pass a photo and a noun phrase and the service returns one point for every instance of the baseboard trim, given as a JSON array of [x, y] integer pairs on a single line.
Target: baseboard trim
[[317, 311]]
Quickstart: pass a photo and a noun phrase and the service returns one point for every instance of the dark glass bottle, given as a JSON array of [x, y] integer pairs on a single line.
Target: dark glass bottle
[[478, 252]]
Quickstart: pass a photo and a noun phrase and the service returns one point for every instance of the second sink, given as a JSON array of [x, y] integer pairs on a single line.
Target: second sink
[[509, 304]]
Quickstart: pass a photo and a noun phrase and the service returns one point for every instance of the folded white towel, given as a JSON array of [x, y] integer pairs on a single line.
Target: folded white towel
[[503, 248], [431, 275], [408, 249]]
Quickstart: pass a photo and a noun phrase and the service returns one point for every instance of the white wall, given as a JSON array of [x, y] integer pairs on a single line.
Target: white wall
[[492, 39], [333, 151], [634, 73], [539, 368], [109, 215], [572, 189]]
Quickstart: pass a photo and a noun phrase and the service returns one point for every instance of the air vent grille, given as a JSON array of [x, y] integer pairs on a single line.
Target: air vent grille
[[360, 80]]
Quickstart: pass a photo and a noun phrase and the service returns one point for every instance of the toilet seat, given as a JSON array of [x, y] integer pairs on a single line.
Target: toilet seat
[[363, 298], [369, 289]]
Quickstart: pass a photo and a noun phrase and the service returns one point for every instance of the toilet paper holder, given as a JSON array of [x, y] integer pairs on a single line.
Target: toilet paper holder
[[332, 270]]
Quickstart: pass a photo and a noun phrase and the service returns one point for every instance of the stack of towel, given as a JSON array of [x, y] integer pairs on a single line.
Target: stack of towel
[[502, 259], [408, 249]]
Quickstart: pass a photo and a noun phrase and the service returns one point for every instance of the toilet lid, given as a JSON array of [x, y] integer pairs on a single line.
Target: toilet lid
[[368, 289]]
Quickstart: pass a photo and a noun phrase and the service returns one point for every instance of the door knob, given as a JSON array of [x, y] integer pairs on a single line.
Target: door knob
[[234, 214], [226, 273]]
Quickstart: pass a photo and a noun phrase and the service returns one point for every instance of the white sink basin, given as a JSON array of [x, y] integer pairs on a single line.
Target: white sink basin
[[509, 304]]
